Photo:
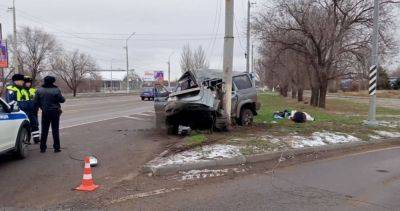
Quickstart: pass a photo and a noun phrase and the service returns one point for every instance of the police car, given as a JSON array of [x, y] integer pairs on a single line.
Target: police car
[[14, 130]]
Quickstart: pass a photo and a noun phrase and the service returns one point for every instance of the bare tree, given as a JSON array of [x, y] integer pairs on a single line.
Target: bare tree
[[329, 35], [73, 68], [4, 78], [187, 59], [200, 59], [193, 60], [34, 49]]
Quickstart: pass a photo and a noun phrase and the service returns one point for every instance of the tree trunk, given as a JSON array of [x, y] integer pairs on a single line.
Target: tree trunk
[[294, 93], [300, 93], [314, 97], [322, 95], [74, 92], [284, 91]]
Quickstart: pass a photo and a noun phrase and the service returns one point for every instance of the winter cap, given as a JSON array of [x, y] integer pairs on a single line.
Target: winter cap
[[49, 80], [17, 77], [28, 79]]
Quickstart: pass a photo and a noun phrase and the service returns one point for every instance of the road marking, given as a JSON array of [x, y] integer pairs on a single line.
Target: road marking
[[144, 114], [91, 122], [143, 195], [101, 120], [135, 118]]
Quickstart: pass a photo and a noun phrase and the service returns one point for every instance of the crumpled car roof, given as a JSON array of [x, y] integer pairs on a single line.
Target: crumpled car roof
[[207, 74]]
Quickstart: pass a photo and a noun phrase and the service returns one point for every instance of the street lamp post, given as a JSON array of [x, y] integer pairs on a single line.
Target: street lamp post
[[169, 70], [127, 62]]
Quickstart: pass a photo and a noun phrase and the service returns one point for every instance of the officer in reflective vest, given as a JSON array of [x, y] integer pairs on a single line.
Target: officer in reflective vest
[[32, 110], [16, 94]]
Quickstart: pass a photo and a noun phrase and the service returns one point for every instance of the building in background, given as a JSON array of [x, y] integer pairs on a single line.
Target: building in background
[[115, 80]]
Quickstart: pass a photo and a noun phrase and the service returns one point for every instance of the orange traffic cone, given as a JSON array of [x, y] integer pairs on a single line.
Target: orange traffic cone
[[87, 181]]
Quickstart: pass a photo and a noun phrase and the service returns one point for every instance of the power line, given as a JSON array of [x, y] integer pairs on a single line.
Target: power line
[[239, 36], [214, 26], [219, 22], [145, 39]]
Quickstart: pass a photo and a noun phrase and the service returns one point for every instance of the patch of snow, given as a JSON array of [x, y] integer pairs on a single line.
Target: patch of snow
[[388, 124], [387, 134], [335, 138], [375, 137], [300, 142], [202, 153], [321, 139]]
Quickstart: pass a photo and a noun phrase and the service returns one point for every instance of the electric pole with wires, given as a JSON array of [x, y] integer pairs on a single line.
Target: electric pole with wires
[[248, 36], [228, 58], [127, 62]]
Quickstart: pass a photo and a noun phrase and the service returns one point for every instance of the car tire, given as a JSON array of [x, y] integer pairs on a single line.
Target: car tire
[[21, 146], [142, 98], [246, 117]]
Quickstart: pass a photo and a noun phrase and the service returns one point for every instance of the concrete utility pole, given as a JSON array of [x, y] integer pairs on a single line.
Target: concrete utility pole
[[169, 70], [228, 58], [15, 57], [248, 37], [373, 74], [252, 58], [127, 61], [112, 81]]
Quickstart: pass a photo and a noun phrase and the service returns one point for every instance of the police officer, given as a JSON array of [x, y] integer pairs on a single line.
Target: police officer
[[48, 98], [32, 109], [16, 93]]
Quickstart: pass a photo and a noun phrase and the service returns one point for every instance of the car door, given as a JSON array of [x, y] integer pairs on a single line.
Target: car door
[[244, 91], [161, 95], [7, 128]]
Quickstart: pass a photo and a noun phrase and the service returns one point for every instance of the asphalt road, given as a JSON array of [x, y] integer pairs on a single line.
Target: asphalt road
[[89, 110], [119, 131], [365, 181]]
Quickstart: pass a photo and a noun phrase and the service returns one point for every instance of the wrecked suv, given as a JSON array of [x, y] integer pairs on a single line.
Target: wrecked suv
[[197, 101]]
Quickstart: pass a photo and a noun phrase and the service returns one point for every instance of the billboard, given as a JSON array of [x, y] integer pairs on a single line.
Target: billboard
[[148, 76], [3, 55], [159, 76]]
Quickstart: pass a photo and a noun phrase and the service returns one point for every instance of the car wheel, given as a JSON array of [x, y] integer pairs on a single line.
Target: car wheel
[[246, 117], [22, 143], [142, 98]]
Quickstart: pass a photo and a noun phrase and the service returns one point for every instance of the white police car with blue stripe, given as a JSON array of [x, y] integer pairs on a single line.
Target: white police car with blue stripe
[[14, 130]]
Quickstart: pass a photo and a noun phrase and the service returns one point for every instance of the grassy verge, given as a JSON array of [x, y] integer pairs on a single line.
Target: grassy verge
[[339, 116], [196, 139]]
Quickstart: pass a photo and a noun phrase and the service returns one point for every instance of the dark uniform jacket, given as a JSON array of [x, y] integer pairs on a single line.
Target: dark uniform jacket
[[48, 98]]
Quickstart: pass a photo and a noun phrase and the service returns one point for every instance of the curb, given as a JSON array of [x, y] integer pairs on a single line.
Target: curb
[[263, 157]]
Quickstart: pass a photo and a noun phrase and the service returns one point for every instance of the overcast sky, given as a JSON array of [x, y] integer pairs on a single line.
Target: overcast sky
[[162, 27]]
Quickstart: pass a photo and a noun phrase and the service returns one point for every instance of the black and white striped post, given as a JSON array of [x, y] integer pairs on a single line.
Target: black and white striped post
[[373, 77], [373, 74]]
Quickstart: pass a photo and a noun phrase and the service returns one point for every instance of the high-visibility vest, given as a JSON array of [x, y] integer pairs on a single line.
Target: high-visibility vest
[[32, 93], [22, 94]]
